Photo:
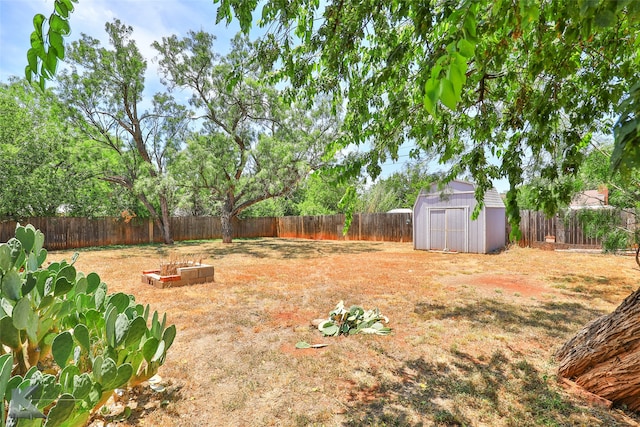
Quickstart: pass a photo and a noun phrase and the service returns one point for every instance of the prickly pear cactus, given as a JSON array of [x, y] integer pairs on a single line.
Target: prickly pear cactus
[[59, 318]]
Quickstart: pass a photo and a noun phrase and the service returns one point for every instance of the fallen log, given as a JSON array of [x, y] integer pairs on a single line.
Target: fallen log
[[604, 357]]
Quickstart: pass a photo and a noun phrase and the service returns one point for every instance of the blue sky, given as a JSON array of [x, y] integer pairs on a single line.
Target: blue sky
[[151, 20]]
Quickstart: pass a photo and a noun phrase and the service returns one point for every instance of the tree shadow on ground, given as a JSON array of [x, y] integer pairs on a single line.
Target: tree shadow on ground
[[608, 288], [553, 319], [289, 248], [445, 394]]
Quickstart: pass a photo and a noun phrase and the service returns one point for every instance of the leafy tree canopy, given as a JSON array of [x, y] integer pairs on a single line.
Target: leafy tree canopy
[[253, 146], [47, 166], [104, 90], [484, 84]]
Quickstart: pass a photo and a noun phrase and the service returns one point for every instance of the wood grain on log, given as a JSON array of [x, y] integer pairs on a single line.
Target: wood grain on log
[[604, 357]]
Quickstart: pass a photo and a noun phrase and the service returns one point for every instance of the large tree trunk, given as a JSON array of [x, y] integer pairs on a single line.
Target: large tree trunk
[[166, 221], [225, 218], [604, 357]]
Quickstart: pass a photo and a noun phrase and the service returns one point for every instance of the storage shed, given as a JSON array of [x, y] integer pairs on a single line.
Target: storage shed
[[442, 220]]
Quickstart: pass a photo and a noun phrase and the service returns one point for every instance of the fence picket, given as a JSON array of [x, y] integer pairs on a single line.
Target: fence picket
[[68, 233]]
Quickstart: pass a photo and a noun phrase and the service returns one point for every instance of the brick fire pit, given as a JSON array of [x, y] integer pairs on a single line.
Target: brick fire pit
[[201, 273]]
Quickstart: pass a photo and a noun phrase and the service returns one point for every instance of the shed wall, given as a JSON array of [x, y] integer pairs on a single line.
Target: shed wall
[[496, 229], [442, 219]]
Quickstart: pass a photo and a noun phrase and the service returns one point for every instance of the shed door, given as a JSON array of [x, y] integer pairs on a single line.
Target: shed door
[[448, 229]]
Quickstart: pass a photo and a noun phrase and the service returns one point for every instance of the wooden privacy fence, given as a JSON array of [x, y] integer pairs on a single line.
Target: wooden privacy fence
[[67, 233], [560, 231]]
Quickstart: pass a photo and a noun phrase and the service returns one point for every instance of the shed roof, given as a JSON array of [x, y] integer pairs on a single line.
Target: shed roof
[[492, 198]]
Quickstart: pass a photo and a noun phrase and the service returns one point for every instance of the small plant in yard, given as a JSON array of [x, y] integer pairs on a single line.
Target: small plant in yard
[[355, 320], [65, 343]]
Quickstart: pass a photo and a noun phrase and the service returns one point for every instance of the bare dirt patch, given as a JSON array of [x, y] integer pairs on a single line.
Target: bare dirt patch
[[473, 339], [513, 284]]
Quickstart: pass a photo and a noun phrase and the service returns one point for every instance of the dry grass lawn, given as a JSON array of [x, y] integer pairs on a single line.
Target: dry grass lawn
[[472, 344]]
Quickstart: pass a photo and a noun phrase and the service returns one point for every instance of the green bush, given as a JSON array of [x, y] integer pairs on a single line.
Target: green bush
[[65, 343]]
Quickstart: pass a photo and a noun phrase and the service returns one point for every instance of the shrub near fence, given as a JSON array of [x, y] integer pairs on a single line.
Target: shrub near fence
[[67, 233]]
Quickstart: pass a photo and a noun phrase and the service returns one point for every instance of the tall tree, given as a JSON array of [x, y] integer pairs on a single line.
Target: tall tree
[[503, 70], [399, 190], [105, 90], [478, 81], [252, 146], [46, 164]]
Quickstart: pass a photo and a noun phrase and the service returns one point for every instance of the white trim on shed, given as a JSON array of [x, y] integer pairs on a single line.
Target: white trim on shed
[[442, 220]]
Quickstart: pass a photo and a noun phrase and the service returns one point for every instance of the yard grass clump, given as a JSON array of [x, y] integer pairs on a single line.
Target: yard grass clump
[[460, 352]]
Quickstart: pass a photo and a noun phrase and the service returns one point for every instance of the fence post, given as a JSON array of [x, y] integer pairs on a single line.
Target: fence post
[[150, 230]]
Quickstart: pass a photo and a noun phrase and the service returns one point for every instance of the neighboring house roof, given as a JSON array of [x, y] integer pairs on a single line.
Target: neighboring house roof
[[591, 199], [401, 210]]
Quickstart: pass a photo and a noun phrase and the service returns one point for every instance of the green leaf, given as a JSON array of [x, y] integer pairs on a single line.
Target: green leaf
[[466, 48], [93, 281], [33, 322], [62, 286], [82, 385], [62, 348], [38, 20], [431, 96], [169, 335], [61, 9], [470, 25], [39, 242], [137, 329], [5, 257], [110, 325], [9, 335], [68, 4], [97, 368], [303, 344], [99, 297], [160, 352], [120, 300], [448, 95], [52, 60], [59, 25], [149, 348], [29, 283], [605, 18], [27, 238], [121, 328], [458, 79], [28, 72], [21, 312], [108, 372], [61, 411], [32, 262], [44, 326], [12, 285], [81, 334], [6, 365], [68, 272], [124, 373], [81, 286], [46, 301]]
